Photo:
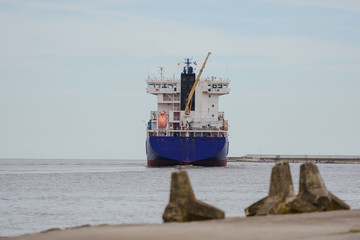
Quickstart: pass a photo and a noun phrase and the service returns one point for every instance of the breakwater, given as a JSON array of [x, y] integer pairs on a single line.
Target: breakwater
[[341, 159]]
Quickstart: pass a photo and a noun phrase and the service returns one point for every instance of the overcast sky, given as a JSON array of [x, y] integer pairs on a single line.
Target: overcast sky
[[72, 73]]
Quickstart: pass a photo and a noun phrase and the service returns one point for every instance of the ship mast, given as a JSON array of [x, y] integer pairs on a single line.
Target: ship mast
[[161, 72]]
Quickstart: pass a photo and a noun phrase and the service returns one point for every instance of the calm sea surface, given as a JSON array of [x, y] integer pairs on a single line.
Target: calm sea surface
[[36, 195]]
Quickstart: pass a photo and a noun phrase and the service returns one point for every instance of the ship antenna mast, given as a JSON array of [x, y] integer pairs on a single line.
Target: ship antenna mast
[[187, 63], [161, 72]]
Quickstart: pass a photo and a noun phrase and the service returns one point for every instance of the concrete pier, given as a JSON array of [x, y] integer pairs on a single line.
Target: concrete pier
[[342, 159]]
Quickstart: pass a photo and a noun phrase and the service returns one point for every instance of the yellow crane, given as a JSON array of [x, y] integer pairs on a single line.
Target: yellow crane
[[188, 100]]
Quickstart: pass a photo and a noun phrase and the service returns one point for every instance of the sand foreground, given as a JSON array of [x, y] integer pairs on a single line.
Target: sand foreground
[[319, 225]]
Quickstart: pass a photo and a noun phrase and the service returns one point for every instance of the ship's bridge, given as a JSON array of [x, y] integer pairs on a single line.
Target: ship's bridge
[[215, 85], [210, 85], [162, 86]]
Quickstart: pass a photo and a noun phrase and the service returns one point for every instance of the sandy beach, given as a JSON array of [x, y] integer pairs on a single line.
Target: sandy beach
[[320, 225]]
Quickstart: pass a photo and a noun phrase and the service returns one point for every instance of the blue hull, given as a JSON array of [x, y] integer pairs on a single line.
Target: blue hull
[[199, 151]]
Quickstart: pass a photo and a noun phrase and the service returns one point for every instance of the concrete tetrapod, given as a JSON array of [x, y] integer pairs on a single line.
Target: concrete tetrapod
[[183, 206], [312, 190], [313, 195], [281, 193]]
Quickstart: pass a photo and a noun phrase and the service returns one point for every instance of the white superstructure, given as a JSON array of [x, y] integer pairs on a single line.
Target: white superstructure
[[205, 121]]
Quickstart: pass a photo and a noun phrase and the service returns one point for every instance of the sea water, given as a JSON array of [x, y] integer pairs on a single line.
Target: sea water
[[36, 195]]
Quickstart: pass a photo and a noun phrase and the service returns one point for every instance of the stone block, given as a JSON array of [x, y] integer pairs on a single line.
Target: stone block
[[312, 187], [183, 206], [313, 195], [281, 192]]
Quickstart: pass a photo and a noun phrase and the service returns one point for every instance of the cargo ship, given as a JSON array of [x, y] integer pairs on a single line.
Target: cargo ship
[[187, 128]]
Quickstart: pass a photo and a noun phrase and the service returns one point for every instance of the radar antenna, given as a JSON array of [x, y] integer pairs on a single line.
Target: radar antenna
[[188, 68]]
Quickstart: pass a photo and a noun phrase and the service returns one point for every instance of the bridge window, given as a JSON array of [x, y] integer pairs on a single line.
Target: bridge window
[[157, 85], [170, 86], [163, 86], [151, 85], [225, 86], [220, 86], [214, 86]]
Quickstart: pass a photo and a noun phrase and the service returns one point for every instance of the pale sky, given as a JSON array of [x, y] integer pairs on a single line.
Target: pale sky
[[72, 73]]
